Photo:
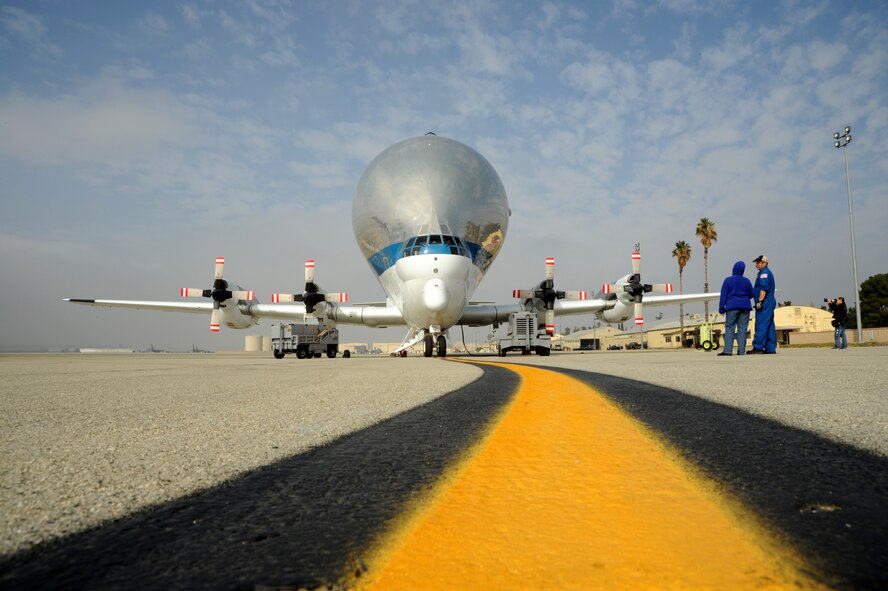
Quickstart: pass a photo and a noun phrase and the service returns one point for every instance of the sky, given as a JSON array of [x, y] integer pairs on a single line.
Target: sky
[[138, 141]]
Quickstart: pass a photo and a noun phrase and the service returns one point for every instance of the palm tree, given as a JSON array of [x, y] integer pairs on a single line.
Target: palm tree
[[708, 235], [683, 253]]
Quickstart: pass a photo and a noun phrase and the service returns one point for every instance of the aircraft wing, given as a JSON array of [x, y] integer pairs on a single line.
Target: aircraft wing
[[196, 307], [665, 300], [373, 315]]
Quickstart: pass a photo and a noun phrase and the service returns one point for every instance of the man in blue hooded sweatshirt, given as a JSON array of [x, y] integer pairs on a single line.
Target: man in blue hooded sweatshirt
[[736, 293], [765, 338]]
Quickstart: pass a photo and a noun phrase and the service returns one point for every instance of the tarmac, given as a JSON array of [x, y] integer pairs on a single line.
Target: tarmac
[[91, 440], [88, 438], [840, 394]]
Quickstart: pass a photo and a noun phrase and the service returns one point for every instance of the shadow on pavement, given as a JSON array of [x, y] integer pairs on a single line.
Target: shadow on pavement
[[298, 523]]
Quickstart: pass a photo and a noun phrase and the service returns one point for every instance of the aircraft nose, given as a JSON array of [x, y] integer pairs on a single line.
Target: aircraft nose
[[434, 295]]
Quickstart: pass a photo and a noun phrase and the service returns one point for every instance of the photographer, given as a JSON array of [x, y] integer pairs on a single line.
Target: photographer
[[840, 319]]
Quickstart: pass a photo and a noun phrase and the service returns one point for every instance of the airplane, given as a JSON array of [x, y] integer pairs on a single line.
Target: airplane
[[430, 215]]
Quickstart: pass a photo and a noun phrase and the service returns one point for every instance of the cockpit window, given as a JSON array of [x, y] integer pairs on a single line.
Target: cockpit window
[[434, 244]]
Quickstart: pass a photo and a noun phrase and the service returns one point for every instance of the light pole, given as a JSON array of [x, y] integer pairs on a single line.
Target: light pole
[[841, 141]]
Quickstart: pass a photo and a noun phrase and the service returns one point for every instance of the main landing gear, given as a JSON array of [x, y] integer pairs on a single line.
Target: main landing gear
[[430, 343]]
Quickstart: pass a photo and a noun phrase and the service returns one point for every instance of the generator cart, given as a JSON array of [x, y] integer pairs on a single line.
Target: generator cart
[[524, 336], [307, 340]]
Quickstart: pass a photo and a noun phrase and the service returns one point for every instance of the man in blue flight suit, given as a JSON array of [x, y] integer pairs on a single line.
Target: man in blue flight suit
[[765, 338]]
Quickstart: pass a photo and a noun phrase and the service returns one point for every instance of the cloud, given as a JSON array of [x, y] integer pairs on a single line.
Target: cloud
[[102, 122], [153, 23], [736, 48], [30, 29]]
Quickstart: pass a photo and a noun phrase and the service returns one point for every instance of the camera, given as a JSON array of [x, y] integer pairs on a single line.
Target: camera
[[829, 301]]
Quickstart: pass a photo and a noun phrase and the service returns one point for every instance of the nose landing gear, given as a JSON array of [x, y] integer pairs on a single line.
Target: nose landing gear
[[432, 343]]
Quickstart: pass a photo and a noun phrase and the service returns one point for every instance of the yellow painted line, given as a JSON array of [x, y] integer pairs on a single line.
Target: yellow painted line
[[568, 492]]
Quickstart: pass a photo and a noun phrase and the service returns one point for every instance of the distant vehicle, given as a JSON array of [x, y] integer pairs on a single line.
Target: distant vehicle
[[308, 340], [614, 347], [632, 346]]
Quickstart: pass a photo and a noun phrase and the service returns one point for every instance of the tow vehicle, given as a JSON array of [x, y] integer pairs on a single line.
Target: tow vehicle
[[307, 340]]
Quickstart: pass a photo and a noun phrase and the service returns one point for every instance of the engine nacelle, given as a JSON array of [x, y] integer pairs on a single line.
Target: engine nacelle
[[621, 312], [232, 312]]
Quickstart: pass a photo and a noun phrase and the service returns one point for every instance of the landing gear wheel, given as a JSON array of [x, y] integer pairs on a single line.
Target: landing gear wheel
[[300, 354], [707, 346], [428, 346], [442, 346], [278, 354]]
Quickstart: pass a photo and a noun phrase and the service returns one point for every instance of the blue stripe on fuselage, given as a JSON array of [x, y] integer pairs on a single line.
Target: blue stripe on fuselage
[[392, 253]]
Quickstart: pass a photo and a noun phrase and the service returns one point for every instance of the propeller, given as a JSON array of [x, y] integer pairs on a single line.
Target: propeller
[[635, 289], [547, 293], [219, 293], [312, 296]]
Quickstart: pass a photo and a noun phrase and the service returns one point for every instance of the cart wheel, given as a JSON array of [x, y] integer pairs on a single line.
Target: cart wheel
[[707, 345], [346, 354], [278, 354], [716, 346]]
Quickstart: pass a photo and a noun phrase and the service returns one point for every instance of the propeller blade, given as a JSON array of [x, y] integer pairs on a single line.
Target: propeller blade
[[280, 298], [662, 288], [191, 292], [639, 316], [220, 266], [612, 288], [243, 295], [550, 321], [550, 268], [214, 320], [636, 262], [575, 295], [522, 293], [309, 271], [336, 297]]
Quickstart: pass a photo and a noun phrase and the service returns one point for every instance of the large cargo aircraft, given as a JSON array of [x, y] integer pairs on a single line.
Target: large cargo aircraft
[[430, 216]]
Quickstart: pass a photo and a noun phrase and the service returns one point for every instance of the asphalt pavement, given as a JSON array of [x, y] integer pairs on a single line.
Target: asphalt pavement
[[238, 471]]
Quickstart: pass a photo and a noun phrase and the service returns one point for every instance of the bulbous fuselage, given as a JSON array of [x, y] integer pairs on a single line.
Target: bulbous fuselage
[[430, 215]]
